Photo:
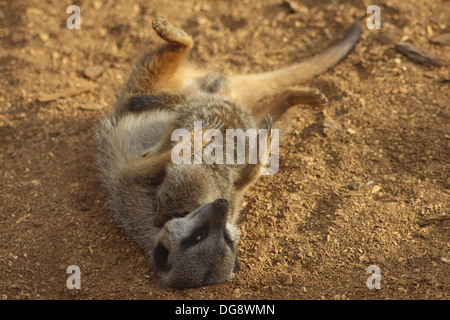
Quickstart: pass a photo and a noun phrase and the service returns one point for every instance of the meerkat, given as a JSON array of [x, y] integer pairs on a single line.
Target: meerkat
[[185, 217]]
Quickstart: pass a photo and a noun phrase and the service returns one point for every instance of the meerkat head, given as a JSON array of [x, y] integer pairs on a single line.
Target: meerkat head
[[184, 189], [198, 249]]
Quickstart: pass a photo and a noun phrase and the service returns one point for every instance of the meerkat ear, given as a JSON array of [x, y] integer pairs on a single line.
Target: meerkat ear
[[161, 257]]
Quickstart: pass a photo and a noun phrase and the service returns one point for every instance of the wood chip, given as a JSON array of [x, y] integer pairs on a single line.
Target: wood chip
[[442, 39], [430, 31], [417, 54], [23, 218], [91, 107], [433, 219], [46, 97], [294, 7]]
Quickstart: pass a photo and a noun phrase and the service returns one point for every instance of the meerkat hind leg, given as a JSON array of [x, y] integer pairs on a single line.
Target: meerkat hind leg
[[159, 70], [288, 98]]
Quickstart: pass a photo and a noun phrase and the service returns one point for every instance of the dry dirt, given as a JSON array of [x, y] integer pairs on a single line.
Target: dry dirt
[[356, 180]]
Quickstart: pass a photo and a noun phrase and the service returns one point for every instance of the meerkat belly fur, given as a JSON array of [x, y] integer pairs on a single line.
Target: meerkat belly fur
[[185, 217]]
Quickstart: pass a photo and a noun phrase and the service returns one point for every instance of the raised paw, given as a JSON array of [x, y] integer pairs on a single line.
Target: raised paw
[[216, 124], [308, 96], [206, 139], [168, 32], [318, 99]]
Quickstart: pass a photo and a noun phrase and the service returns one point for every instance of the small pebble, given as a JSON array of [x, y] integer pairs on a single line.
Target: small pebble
[[93, 72], [287, 279], [375, 189], [354, 186]]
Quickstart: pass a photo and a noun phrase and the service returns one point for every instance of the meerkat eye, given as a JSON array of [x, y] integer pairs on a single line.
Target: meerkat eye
[[196, 237], [199, 237]]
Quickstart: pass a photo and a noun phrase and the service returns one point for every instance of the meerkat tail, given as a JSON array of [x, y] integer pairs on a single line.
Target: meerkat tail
[[250, 88]]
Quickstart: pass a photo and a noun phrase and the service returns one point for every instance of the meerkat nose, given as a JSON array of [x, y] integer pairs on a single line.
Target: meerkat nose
[[221, 203], [220, 207]]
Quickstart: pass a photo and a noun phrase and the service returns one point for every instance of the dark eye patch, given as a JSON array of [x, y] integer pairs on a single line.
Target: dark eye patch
[[199, 234], [181, 214]]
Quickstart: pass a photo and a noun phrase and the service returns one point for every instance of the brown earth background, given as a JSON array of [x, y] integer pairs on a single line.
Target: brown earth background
[[363, 182]]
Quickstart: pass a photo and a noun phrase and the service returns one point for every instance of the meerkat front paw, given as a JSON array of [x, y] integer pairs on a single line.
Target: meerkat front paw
[[216, 124], [204, 137]]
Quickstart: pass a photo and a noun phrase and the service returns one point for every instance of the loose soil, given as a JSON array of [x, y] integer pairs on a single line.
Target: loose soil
[[363, 182]]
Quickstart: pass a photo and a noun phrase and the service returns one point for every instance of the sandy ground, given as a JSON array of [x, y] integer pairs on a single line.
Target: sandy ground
[[357, 181]]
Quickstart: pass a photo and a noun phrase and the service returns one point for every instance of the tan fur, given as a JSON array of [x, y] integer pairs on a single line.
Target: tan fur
[[178, 213]]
